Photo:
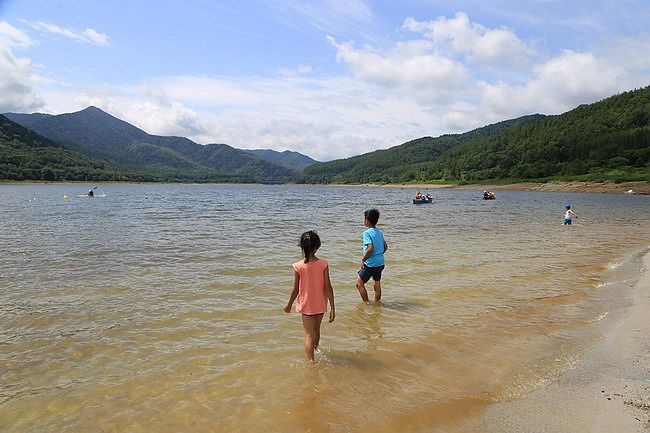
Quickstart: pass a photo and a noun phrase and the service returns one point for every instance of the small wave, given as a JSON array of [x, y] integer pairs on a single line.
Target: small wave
[[615, 265], [601, 317]]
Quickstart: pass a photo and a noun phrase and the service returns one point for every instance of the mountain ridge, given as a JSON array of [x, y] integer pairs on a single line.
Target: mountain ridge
[[97, 134], [606, 140]]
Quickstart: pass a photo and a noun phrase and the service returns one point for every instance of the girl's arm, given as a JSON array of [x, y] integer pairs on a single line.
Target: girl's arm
[[329, 291], [385, 246], [294, 292]]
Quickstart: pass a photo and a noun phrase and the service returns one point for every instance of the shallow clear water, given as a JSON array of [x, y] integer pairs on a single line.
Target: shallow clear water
[[159, 307]]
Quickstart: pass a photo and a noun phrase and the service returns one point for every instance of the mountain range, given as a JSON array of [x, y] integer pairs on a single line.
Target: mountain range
[[96, 134], [606, 140]]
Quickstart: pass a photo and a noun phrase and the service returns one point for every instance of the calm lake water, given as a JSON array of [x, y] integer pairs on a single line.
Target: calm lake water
[[158, 308]]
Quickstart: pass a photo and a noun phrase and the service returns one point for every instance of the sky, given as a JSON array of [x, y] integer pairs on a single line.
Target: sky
[[327, 78]]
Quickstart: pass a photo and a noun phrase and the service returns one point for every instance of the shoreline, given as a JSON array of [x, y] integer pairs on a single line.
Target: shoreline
[[640, 187], [608, 389], [574, 186]]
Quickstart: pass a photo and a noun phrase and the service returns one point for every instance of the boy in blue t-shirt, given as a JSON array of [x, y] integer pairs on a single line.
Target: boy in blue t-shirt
[[372, 262]]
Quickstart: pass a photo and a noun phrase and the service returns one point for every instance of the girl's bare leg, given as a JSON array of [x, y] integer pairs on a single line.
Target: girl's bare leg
[[311, 325]]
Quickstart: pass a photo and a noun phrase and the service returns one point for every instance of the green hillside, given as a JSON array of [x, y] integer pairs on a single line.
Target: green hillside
[[607, 140], [401, 163], [25, 155]]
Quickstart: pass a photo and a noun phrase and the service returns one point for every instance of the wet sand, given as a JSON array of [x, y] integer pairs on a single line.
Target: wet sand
[[607, 391]]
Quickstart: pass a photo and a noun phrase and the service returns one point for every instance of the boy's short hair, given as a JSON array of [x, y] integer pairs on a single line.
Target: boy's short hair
[[372, 215]]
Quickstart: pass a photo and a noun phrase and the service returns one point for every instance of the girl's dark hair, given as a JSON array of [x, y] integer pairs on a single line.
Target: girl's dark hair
[[309, 242]]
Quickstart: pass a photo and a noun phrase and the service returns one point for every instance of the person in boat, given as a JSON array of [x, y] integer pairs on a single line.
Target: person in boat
[[91, 193], [418, 195], [429, 197]]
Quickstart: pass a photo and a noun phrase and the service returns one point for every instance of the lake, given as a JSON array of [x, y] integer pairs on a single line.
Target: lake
[[159, 308]]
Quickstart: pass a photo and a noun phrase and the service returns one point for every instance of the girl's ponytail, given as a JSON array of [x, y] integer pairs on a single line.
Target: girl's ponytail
[[309, 242]]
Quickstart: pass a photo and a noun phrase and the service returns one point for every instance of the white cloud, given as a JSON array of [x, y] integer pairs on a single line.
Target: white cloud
[[173, 119], [466, 75], [148, 107], [16, 77], [304, 69], [441, 65], [459, 36], [559, 84], [300, 70], [409, 67], [329, 16], [89, 36], [13, 37], [95, 38], [573, 76]]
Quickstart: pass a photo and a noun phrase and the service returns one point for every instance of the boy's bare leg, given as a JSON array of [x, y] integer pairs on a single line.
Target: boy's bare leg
[[377, 287], [362, 289]]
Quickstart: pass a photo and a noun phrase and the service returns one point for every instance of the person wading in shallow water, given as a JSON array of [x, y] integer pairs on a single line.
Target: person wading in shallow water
[[568, 214], [312, 287], [372, 262]]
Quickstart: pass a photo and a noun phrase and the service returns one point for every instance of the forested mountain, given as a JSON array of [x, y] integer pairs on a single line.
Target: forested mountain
[[294, 160], [607, 140], [401, 163], [25, 155], [96, 134]]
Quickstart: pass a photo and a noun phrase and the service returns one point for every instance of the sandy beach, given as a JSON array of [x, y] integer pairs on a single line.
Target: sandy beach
[[591, 187], [607, 391]]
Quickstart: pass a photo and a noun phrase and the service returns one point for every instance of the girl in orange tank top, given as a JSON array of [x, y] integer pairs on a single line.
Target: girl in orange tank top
[[313, 289]]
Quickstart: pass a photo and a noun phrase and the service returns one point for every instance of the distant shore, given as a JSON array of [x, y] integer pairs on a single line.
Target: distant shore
[[575, 186], [593, 187]]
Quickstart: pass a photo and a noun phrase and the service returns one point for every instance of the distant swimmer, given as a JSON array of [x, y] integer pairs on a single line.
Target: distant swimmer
[[568, 214]]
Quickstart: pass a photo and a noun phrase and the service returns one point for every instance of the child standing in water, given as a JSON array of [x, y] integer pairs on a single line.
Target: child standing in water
[[372, 262], [312, 287], [568, 214]]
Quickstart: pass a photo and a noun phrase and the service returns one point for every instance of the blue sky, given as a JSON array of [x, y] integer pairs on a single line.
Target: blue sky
[[329, 79]]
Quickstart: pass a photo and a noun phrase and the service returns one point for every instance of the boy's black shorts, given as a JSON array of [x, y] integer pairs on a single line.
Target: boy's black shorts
[[366, 272]]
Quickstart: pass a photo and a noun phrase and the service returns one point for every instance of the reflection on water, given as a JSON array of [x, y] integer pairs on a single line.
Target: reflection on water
[[159, 307]]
